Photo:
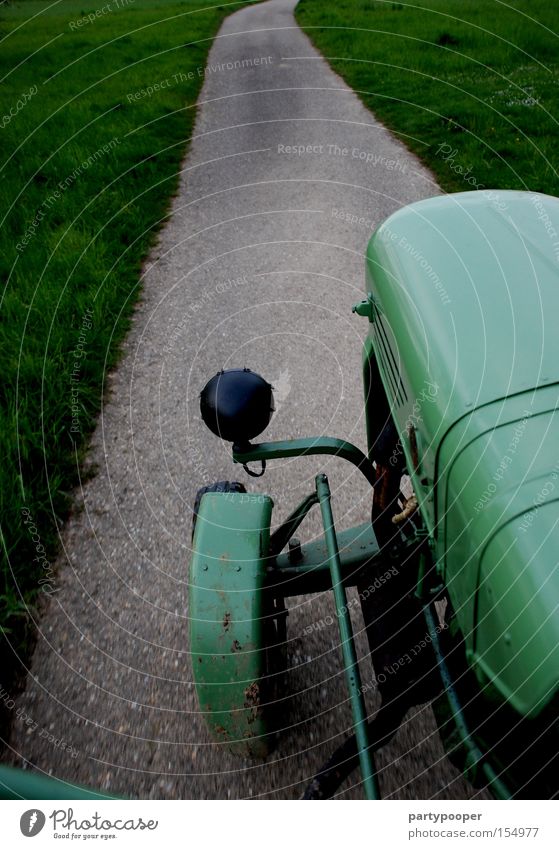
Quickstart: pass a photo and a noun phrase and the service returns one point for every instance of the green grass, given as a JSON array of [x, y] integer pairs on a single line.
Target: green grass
[[472, 86], [86, 173]]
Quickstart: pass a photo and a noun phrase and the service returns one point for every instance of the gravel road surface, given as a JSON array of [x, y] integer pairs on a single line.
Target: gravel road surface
[[258, 265]]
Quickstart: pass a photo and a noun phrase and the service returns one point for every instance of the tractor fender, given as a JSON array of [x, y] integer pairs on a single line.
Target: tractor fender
[[227, 619]]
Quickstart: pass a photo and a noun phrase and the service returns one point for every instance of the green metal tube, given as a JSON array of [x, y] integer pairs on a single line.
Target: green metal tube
[[304, 447], [348, 647], [474, 753], [420, 578], [283, 534]]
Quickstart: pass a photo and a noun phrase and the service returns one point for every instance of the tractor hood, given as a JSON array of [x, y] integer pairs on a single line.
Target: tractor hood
[[464, 300], [499, 508]]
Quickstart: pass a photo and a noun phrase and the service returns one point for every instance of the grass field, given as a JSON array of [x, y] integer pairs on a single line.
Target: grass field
[[472, 86], [96, 107]]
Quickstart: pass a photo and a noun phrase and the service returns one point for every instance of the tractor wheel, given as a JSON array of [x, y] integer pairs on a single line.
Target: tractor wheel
[[218, 486]]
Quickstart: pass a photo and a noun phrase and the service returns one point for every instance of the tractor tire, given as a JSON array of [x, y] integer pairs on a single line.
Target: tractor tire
[[218, 486]]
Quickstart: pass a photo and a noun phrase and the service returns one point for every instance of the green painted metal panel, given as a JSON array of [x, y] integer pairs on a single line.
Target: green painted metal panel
[[357, 545], [467, 292], [227, 618], [517, 623], [25, 784], [500, 490], [466, 295]]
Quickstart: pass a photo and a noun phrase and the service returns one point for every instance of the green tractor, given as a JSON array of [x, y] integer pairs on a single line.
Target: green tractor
[[461, 387], [461, 383]]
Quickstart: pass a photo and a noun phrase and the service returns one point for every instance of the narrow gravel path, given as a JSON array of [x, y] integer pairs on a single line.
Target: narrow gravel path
[[259, 264]]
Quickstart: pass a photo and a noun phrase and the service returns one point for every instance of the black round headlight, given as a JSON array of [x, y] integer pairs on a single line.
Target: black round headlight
[[237, 405]]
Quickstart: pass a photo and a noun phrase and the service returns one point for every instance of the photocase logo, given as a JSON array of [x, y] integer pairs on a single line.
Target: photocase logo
[[32, 822]]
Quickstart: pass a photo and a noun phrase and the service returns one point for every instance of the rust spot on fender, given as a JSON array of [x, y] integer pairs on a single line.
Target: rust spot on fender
[[252, 700], [236, 646], [252, 694], [226, 621]]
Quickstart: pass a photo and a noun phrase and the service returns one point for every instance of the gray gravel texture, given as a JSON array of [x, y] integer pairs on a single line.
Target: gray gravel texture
[[258, 265]]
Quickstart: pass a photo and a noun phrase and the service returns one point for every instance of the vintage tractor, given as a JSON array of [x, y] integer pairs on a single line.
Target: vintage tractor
[[461, 380]]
